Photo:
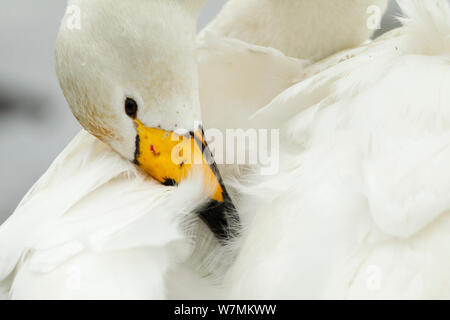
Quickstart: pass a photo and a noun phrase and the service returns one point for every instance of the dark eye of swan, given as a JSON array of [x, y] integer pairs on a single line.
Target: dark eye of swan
[[131, 107]]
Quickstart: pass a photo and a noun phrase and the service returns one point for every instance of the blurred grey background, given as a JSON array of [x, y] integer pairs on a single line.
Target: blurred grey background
[[35, 122]]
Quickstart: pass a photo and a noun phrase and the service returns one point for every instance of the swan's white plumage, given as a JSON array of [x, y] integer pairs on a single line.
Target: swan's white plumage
[[238, 78], [358, 210], [79, 211], [362, 209]]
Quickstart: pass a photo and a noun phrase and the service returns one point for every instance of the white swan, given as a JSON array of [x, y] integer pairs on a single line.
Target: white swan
[[93, 227]]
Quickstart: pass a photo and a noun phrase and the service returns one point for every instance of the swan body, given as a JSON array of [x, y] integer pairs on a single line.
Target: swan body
[[93, 227], [80, 232], [358, 210]]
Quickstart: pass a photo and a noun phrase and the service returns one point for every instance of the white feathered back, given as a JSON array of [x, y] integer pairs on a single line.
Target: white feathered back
[[363, 189]]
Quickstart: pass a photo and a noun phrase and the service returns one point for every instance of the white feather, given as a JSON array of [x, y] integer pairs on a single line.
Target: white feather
[[92, 216]]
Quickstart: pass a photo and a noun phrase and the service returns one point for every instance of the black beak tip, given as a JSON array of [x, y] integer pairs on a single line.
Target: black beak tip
[[221, 218]]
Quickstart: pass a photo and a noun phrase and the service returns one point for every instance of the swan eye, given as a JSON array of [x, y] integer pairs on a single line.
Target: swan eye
[[131, 107]]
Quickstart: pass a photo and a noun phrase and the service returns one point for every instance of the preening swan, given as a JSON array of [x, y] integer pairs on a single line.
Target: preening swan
[[359, 207], [148, 96], [131, 81]]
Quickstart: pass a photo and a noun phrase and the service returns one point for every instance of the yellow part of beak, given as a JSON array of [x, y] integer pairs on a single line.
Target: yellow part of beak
[[169, 157]]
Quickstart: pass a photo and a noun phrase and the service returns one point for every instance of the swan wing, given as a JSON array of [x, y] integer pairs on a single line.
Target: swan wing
[[93, 227]]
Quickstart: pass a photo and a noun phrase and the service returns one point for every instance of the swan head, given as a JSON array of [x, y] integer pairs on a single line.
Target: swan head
[[129, 74], [129, 61]]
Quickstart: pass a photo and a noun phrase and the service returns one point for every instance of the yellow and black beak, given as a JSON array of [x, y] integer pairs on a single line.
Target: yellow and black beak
[[170, 158]]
